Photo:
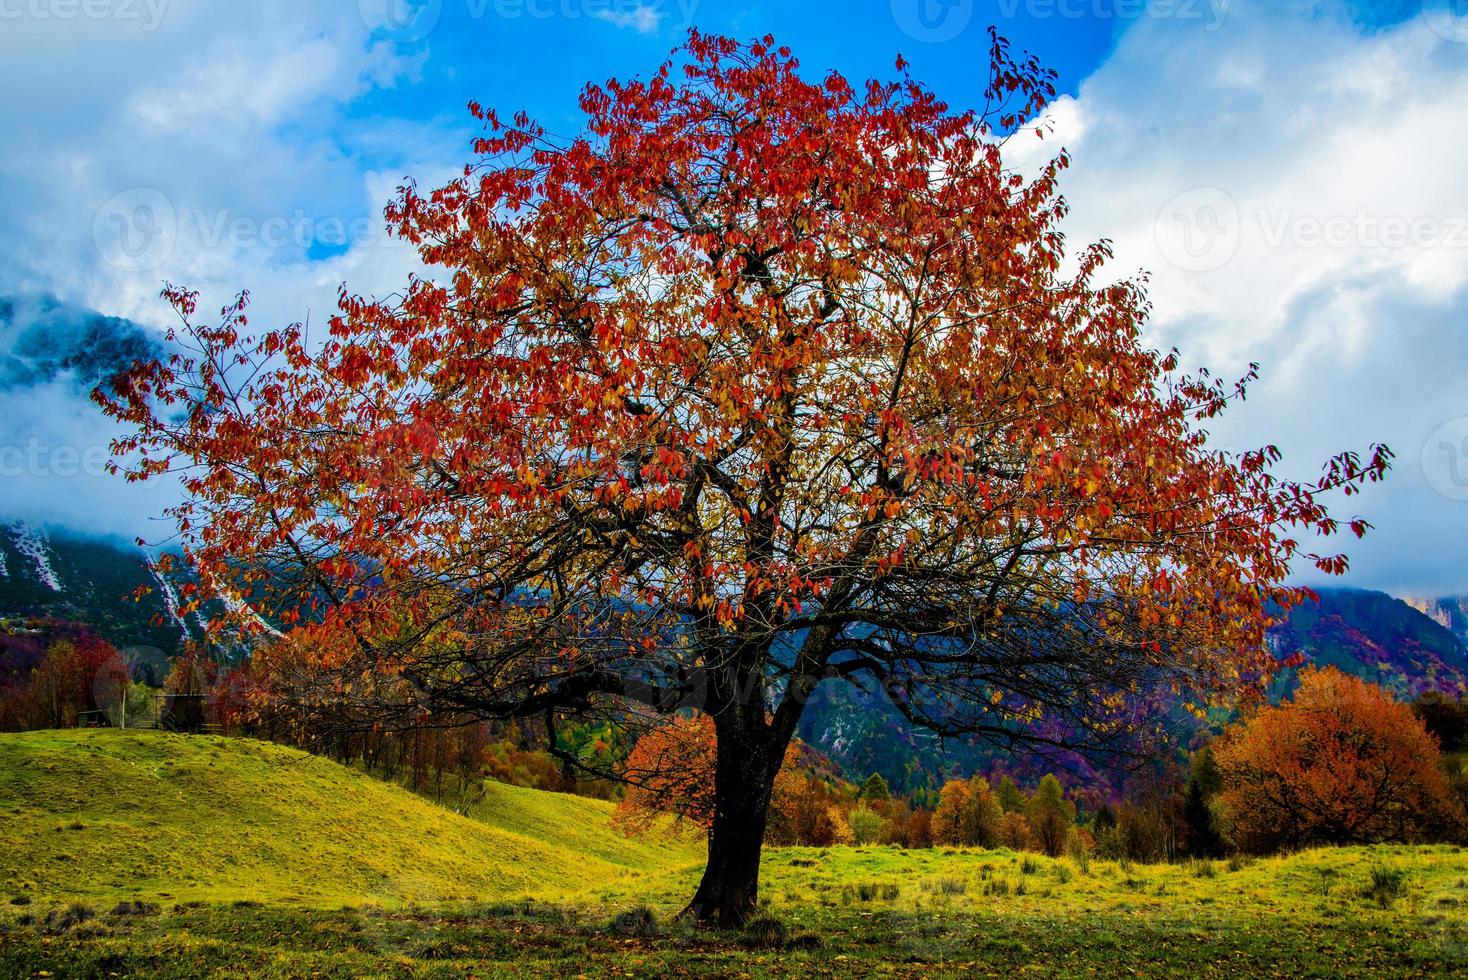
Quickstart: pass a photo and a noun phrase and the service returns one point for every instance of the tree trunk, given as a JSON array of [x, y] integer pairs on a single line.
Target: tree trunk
[[744, 778]]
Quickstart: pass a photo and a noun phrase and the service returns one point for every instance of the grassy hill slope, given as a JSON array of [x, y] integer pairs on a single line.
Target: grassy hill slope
[[580, 825], [349, 876], [147, 814]]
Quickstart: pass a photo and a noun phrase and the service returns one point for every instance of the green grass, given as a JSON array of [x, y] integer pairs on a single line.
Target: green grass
[[110, 815], [581, 826], [251, 859]]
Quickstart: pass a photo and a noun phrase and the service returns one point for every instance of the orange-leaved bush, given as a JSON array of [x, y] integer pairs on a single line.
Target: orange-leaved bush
[[1340, 763], [670, 772], [967, 814]]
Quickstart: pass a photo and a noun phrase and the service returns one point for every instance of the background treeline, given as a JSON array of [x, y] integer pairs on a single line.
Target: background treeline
[[1341, 762]]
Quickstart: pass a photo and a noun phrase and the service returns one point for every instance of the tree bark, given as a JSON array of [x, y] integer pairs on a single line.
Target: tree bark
[[747, 761]]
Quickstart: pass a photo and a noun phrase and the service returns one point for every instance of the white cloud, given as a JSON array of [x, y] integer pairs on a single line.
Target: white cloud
[[644, 18], [53, 454], [213, 148], [215, 151], [1295, 187]]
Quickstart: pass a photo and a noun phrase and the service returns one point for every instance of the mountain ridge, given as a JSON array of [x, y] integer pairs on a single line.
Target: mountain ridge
[[50, 573], [1407, 645]]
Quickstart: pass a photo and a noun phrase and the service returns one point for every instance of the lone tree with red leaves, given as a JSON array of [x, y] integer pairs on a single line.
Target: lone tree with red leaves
[[759, 383]]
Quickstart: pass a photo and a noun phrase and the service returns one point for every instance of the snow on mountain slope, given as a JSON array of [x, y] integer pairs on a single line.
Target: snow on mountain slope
[[50, 573], [31, 542]]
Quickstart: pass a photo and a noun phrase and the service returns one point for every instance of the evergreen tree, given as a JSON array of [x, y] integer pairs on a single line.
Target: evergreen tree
[[1203, 837], [1205, 770], [1011, 800], [875, 789], [1050, 816]]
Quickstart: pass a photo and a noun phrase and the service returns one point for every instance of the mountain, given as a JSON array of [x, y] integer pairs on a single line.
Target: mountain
[[1369, 634], [1373, 635], [43, 339], [1449, 612], [47, 574]]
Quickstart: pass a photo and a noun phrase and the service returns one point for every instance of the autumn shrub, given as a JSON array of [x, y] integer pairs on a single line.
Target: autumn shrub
[[1340, 763], [834, 829], [670, 770], [1014, 831], [967, 815], [867, 826], [917, 830]]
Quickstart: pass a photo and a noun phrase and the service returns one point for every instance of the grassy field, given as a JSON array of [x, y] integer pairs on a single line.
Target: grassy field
[[108, 815], [157, 855]]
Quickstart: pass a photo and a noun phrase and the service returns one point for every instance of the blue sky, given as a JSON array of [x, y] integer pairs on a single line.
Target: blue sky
[[1289, 173], [542, 62]]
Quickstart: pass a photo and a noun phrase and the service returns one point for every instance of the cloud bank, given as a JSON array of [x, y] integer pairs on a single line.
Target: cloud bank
[[1293, 183]]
